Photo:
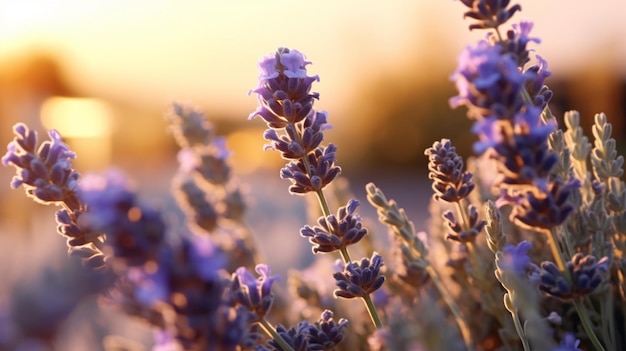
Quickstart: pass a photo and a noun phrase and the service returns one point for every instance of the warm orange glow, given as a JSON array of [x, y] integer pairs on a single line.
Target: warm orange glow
[[77, 117]]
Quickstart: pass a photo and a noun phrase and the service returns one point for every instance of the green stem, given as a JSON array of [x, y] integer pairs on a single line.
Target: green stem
[[269, 329], [587, 325], [371, 309], [456, 312], [345, 255], [520, 330]]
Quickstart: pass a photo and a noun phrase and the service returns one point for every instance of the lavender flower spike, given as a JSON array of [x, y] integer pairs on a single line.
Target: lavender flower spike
[[489, 13], [336, 232], [359, 279], [284, 89], [254, 294], [134, 231], [47, 173]]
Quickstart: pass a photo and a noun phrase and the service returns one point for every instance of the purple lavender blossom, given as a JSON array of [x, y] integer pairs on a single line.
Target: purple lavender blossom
[[254, 294], [450, 182], [135, 232], [489, 82], [336, 232], [515, 258], [312, 173], [568, 343], [284, 89], [517, 39], [324, 334], [489, 13], [471, 230], [46, 174], [586, 274], [360, 279]]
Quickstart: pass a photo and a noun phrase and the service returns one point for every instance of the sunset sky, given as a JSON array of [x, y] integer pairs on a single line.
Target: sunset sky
[[153, 51]]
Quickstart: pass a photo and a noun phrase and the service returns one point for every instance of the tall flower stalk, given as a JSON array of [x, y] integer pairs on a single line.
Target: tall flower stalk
[[295, 129], [507, 101]]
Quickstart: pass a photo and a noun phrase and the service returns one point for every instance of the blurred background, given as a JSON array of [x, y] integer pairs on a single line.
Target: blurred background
[[104, 73]]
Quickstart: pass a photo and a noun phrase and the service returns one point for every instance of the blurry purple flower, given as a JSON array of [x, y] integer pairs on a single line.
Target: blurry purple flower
[[516, 41], [489, 82], [515, 258], [151, 283], [568, 343], [134, 231], [536, 209]]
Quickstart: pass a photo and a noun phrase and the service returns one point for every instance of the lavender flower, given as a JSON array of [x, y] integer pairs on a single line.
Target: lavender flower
[[359, 279], [515, 257], [254, 294], [468, 233], [284, 89], [336, 232], [325, 334], [544, 210], [450, 182], [135, 232], [312, 173], [517, 39], [568, 343], [46, 174], [586, 274], [489, 82], [489, 13]]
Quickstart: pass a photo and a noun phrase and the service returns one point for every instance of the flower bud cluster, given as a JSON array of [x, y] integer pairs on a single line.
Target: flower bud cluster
[[177, 285], [295, 129], [584, 274], [507, 104], [47, 175]]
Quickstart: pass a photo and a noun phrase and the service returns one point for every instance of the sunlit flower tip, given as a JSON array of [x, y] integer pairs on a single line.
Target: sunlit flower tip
[[359, 279], [46, 174], [585, 272], [294, 63], [568, 343], [450, 182], [336, 232], [284, 89], [489, 13], [254, 294]]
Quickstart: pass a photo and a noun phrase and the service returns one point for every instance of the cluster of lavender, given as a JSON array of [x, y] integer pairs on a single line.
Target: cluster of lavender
[[532, 260]]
